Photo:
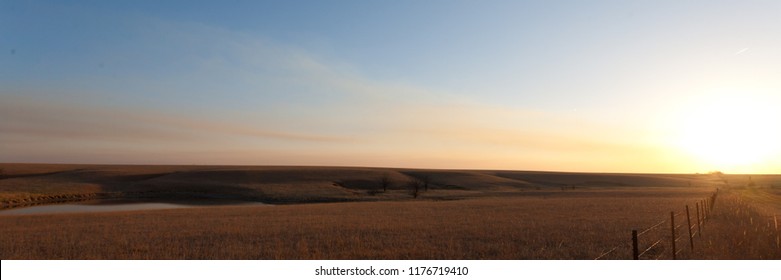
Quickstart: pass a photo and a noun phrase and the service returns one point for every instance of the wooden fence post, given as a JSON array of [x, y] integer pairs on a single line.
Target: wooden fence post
[[699, 229], [707, 209], [672, 228], [689, 221], [778, 238], [702, 207], [713, 199], [635, 250], [704, 210]]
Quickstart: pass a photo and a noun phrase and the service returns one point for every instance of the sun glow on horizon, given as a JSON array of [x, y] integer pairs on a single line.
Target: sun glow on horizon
[[734, 131]]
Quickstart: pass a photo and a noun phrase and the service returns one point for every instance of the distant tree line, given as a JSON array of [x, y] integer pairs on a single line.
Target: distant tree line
[[414, 185]]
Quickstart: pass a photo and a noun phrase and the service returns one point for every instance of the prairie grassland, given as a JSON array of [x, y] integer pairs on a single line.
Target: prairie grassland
[[546, 225], [464, 214], [743, 227], [30, 184], [742, 223]]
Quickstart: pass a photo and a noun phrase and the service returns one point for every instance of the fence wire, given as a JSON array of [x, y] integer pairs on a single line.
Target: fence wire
[[703, 208]]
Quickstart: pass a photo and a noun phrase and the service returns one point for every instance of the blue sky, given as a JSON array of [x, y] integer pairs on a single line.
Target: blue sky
[[545, 85]]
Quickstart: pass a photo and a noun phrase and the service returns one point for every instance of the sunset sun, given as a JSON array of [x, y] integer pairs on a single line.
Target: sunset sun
[[730, 131]]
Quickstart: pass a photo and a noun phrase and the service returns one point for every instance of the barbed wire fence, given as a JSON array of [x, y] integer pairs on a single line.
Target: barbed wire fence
[[664, 238]]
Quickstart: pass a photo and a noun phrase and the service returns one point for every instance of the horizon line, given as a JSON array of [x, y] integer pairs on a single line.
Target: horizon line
[[381, 167]]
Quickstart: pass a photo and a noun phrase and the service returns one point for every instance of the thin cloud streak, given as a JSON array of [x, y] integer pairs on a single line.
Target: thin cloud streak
[[335, 116], [52, 119]]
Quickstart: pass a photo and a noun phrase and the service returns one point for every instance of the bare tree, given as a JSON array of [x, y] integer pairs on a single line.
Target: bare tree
[[425, 180], [414, 186], [385, 182]]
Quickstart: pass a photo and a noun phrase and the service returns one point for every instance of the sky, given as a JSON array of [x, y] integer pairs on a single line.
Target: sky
[[590, 86]]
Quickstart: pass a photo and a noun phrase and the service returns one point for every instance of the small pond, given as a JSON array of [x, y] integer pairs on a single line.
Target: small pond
[[117, 205]]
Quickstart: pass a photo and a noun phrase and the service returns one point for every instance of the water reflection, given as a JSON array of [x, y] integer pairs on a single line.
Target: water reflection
[[118, 205]]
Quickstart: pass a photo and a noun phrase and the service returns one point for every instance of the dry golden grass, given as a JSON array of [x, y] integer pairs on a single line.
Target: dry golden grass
[[574, 225], [742, 227], [28, 184], [464, 215], [742, 223]]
